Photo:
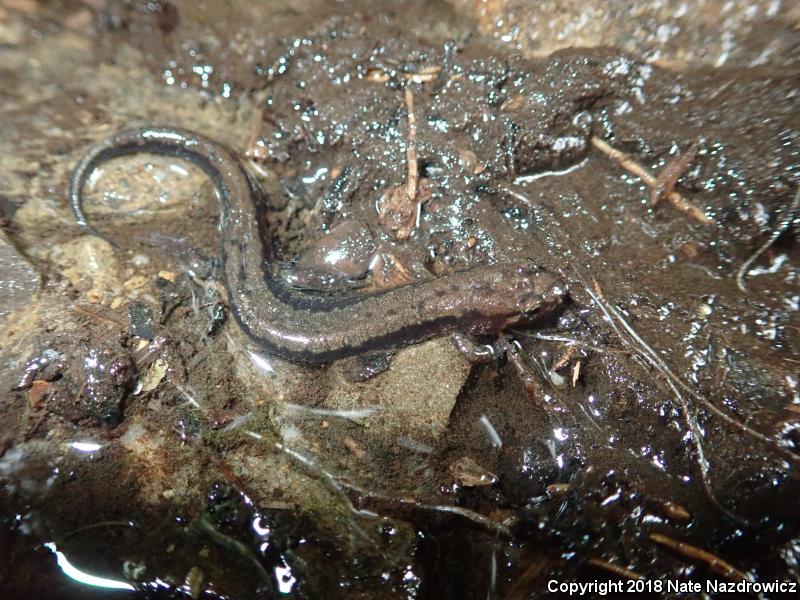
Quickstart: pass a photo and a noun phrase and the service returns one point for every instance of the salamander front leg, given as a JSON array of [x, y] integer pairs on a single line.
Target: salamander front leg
[[477, 353], [481, 354], [525, 372]]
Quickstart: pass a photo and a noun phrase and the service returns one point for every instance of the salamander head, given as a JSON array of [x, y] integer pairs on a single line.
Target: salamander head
[[540, 293]]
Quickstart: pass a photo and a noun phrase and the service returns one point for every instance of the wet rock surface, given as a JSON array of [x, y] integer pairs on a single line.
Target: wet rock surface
[[671, 33], [649, 428], [21, 280]]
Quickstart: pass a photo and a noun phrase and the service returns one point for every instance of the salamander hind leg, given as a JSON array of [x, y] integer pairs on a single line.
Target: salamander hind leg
[[366, 366]]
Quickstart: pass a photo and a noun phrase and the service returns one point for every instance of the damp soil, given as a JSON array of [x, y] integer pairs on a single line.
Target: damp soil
[[648, 429]]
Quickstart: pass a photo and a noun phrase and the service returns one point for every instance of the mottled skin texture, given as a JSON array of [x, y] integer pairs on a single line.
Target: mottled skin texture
[[311, 327]]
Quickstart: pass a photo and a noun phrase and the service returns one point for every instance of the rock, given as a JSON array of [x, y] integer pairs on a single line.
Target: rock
[[468, 473], [19, 279], [91, 266], [416, 394]]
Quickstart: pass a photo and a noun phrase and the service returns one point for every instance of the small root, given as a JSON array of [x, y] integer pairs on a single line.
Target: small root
[[97, 316]]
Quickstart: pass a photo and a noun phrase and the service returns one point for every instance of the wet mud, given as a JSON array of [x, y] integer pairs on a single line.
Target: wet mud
[[648, 428]]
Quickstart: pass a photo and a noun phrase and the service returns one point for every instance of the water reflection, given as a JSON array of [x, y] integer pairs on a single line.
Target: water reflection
[[76, 574]]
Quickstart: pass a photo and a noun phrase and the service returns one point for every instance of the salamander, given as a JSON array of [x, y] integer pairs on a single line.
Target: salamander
[[311, 327]]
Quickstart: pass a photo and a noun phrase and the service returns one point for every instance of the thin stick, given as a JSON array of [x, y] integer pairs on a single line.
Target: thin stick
[[411, 151], [672, 171], [673, 510], [629, 164], [460, 511], [616, 569], [712, 561]]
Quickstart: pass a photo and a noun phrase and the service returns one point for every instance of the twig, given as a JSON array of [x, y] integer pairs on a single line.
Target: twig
[[669, 175], [616, 569], [411, 151], [712, 561], [782, 226], [466, 513], [673, 510], [97, 316], [629, 164]]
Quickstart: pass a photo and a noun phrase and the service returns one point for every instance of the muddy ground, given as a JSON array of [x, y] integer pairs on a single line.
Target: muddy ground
[[650, 429]]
